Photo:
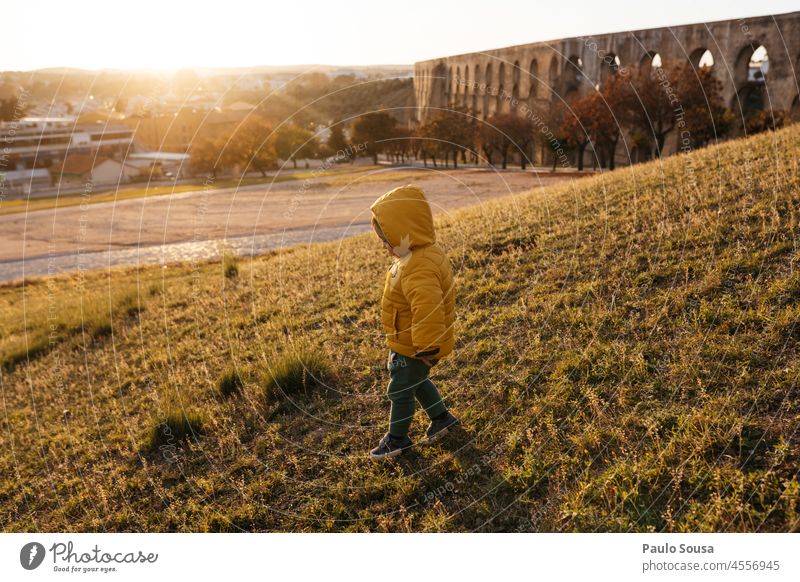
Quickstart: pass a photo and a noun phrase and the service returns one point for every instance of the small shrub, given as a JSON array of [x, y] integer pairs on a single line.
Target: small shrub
[[128, 305], [99, 330], [295, 373], [230, 383], [175, 428], [230, 265], [97, 317]]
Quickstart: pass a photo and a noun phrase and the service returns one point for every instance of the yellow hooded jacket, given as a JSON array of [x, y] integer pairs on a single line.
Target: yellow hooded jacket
[[418, 305]]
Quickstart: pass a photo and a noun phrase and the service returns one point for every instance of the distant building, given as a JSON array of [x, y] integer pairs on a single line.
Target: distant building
[[23, 181], [44, 141], [82, 168], [48, 109], [95, 117], [166, 164], [250, 83]]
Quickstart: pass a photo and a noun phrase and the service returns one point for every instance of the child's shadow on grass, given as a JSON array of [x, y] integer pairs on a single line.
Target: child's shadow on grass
[[458, 443], [441, 480], [455, 489]]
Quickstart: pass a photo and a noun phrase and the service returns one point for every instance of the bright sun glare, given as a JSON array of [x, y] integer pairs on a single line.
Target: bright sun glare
[[94, 34]]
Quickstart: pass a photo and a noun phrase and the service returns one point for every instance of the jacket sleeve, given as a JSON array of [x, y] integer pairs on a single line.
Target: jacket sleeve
[[423, 292]]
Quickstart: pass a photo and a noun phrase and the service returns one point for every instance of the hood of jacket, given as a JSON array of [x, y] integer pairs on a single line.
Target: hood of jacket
[[405, 218]]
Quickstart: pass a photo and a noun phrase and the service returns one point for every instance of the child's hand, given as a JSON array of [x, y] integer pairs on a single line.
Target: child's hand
[[427, 362]]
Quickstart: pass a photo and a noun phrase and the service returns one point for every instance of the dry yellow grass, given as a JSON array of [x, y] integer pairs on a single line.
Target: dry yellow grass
[[627, 360]]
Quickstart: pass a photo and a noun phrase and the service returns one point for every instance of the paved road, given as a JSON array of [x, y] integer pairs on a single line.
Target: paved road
[[194, 225]]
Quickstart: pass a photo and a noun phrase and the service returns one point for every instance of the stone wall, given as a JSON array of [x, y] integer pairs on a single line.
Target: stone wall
[[542, 72]]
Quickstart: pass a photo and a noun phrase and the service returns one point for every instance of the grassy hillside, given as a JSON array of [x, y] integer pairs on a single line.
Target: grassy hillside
[[627, 360]]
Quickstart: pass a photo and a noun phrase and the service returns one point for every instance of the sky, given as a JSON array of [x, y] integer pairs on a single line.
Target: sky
[[172, 34]]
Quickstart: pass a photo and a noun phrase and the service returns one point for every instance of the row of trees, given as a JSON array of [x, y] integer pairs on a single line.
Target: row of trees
[[254, 145], [644, 105]]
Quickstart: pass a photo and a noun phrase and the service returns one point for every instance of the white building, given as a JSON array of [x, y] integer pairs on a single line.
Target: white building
[[48, 139], [82, 168], [168, 164], [24, 181]]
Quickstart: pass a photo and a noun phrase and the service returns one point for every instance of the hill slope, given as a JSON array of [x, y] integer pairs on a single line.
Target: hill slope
[[627, 360]]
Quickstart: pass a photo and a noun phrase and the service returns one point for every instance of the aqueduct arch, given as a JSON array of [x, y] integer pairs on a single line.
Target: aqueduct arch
[[533, 79], [545, 71], [701, 57], [553, 79]]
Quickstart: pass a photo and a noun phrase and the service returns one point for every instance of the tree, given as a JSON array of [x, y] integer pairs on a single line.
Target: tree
[[605, 119], [553, 139], [292, 142], [576, 121], [374, 130], [504, 133], [705, 116], [206, 157], [658, 100], [520, 132], [309, 86], [761, 120], [402, 144], [337, 142], [649, 101], [449, 133], [252, 145], [489, 141], [277, 106], [11, 109], [425, 142]]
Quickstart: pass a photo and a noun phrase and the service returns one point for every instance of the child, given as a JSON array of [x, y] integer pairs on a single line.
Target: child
[[417, 312]]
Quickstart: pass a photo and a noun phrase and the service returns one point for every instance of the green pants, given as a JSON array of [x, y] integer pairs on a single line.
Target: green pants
[[409, 381]]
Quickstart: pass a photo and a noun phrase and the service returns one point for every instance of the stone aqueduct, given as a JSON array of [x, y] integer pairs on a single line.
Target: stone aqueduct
[[538, 73]]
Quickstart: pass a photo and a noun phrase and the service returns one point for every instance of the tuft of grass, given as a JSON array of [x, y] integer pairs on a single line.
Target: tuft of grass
[[175, 428], [230, 265], [296, 373], [128, 304], [100, 329], [230, 382]]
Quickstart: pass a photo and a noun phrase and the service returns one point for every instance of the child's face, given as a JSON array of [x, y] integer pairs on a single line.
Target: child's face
[[389, 248], [386, 244]]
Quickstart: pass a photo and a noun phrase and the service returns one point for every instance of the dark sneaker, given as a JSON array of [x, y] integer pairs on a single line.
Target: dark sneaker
[[390, 447], [438, 428]]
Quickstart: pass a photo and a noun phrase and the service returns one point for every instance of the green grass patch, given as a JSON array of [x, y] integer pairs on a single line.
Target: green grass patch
[[230, 383], [49, 318], [296, 373], [176, 428]]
